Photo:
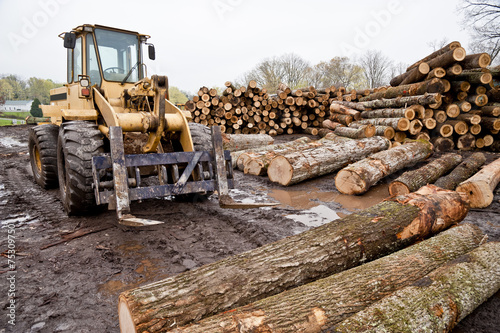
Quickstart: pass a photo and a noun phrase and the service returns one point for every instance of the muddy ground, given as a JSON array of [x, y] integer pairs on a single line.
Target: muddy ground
[[74, 286]]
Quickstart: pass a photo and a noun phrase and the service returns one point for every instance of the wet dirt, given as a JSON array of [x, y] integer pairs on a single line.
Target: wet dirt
[[74, 286]]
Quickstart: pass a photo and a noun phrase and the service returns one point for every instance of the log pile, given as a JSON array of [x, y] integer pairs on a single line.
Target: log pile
[[252, 110], [298, 260]]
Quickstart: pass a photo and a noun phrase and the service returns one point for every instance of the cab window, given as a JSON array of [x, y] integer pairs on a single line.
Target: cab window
[[77, 59], [92, 63]]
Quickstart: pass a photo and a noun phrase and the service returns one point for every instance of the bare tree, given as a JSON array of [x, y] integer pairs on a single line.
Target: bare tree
[[289, 69], [483, 17], [376, 68], [437, 44], [339, 71]]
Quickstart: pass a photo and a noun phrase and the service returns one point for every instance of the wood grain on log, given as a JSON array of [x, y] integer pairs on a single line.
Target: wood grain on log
[[301, 165], [328, 301], [290, 262], [479, 188], [358, 177], [412, 180], [462, 172], [438, 301]]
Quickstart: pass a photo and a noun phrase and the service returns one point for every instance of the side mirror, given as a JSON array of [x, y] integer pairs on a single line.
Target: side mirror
[[151, 51], [69, 40]]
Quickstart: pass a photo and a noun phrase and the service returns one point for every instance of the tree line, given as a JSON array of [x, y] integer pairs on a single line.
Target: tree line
[[12, 87]]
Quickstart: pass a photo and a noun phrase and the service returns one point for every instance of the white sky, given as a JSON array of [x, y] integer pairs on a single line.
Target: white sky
[[207, 42]]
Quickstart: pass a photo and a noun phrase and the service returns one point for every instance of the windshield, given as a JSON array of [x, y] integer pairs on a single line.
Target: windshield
[[119, 54]]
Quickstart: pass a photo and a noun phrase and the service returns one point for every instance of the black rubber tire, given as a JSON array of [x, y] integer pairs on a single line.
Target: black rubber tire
[[201, 136], [42, 143], [78, 141]]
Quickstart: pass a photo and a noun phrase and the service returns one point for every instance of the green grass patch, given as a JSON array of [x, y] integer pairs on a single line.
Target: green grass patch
[[4, 122], [16, 115]]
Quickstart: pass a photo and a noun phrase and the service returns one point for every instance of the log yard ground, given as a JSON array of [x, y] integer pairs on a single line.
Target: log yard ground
[[71, 270]]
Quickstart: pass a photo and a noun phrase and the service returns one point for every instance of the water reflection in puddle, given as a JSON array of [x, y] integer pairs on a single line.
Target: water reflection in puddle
[[10, 142], [315, 216]]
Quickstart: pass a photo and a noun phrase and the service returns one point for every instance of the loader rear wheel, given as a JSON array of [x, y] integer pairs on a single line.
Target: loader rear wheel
[[42, 145], [78, 142]]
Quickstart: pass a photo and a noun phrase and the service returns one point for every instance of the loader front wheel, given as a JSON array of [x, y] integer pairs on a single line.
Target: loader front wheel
[[42, 143], [78, 141]]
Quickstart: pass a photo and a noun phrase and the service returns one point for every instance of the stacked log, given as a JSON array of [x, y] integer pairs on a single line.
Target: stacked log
[[466, 86], [252, 110]]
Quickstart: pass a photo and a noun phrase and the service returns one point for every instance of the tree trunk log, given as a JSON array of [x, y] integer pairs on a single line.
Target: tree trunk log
[[437, 72], [399, 124], [389, 113], [448, 58], [462, 172], [442, 144], [480, 60], [400, 102], [466, 142], [290, 262], [328, 301], [413, 75], [301, 165], [258, 163], [343, 119], [437, 302], [419, 88], [342, 109], [450, 46], [364, 131], [475, 77], [352, 105], [331, 124], [492, 110], [235, 142], [479, 188], [490, 123], [240, 159], [412, 180], [358, 177]]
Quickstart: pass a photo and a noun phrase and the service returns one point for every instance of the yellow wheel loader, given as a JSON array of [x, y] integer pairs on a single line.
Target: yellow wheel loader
[[115, 137]]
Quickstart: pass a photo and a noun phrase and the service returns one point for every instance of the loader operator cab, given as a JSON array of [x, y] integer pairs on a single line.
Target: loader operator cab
[[100, 54]]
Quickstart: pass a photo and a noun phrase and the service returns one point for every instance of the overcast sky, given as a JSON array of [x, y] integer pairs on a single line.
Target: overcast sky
[[207, 42]]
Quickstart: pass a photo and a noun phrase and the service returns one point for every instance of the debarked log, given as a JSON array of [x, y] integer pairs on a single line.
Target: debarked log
[[328, 301], [305, 164], [412, 180], [273, 268], [358, 177], [437, 302], [479, 188]]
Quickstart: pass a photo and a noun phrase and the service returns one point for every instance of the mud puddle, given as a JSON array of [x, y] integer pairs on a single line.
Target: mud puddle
[[313, 197], [10, 142]]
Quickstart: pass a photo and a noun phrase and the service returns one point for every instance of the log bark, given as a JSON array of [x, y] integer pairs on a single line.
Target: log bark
[[413, 75], [437, 302], [234, 142], [475, 77], [412, 180], [258, 163], [447, 59], [462, 172], [301, 165], [352, 105], [331, 124], [389, 113], [288, 263], [490, 123], [480, 60], [385, 131], [358, 177], [399, 124], [492, 110], [343, 119], [479, 188], [364, 131], [400, 102], [339, 296], [342, 109], [419, 88], [444, 49], [239, 159]]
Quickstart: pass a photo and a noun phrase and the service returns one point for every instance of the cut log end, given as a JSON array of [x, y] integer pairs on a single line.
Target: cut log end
[[125, 317], [479, 193], [280, 171], [349, 182], [398, 188]]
